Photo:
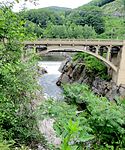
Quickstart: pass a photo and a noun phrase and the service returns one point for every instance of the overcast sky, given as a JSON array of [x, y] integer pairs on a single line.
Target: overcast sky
[[46, 3]]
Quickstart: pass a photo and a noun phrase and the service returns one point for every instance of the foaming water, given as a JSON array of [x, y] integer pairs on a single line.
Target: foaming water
[[48, 81]]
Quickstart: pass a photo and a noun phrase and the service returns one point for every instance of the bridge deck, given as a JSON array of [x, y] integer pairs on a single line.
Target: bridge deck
[[75, 42]]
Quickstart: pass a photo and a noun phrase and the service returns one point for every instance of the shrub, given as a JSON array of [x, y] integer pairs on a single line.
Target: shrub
[[69, 125], [93, 65], [17, 84], [106, 119], [100, 124]]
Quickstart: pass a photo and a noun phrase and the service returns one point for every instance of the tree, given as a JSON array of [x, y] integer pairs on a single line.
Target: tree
[[42, 17], [90, 15], [89, 32]]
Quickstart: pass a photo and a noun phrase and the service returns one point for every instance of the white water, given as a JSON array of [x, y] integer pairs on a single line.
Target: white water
[[48, 81]]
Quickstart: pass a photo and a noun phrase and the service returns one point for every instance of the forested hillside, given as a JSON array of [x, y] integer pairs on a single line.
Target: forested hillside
[[100, 3], [97, 19], [116, 8]]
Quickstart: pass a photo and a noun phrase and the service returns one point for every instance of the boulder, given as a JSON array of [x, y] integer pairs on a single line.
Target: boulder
[[76, 73], [41, 70], [64, 65], [122, 90], [65, 79]]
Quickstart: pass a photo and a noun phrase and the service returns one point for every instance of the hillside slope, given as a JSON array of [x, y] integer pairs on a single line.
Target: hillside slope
[[115, 8], [100, 3], [109, 7]]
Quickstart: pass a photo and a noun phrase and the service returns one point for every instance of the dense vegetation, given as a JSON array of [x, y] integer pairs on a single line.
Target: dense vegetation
[[97, 19], [17, 85], [93, 66], [87, 121]]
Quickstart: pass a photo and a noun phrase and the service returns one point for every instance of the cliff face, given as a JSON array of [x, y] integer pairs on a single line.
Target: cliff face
[[77, 72]]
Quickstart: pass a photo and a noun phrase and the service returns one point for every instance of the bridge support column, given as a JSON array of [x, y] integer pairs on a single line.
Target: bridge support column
[[121, 68], [108, 53], [97, 50]]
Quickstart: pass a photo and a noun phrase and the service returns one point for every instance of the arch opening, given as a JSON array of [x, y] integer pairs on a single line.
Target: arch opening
[[107, 62]]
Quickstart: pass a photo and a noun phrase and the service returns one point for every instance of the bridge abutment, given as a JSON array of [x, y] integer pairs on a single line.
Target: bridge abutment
[[120, 76]]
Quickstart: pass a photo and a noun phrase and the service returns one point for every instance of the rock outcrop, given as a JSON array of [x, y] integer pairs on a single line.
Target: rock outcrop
[[77, 72]]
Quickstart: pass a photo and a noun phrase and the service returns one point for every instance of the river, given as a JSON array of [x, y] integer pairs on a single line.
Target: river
[[48, 81]]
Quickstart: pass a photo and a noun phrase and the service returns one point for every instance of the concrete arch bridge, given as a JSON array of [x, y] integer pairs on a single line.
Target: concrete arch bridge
[[111, 52]]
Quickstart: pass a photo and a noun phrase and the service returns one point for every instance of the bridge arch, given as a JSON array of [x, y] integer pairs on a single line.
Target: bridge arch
[[110, 64]]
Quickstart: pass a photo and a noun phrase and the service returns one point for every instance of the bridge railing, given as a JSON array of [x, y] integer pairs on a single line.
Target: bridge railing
[[97, 40], [75, 42]]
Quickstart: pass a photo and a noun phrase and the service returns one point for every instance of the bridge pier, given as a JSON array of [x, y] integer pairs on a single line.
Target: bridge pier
[[120, 79], [108, 55]]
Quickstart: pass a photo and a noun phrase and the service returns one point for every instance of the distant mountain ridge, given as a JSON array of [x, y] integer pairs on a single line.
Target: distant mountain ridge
[[109, 7], [57, 8]]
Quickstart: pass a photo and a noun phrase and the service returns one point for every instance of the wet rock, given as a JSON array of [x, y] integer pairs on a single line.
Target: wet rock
[[69, 72], [64, 66], [40, 147], [112, 95], [122, 90], [65, 78], [61, 68], [77, 72], [99, 86], [58, 83], [41, 70]]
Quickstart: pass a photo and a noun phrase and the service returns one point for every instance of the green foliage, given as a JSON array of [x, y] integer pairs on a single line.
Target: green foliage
[[5, 145], [74, 94], [70, 126], [69, 31], [55, 31], [100, 3], [33, 28], [114, 28], [17, 85], [93, 65], [99, 124], [114, 9], [42, 17], [106, 119], [89, 15], [89, 32]]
